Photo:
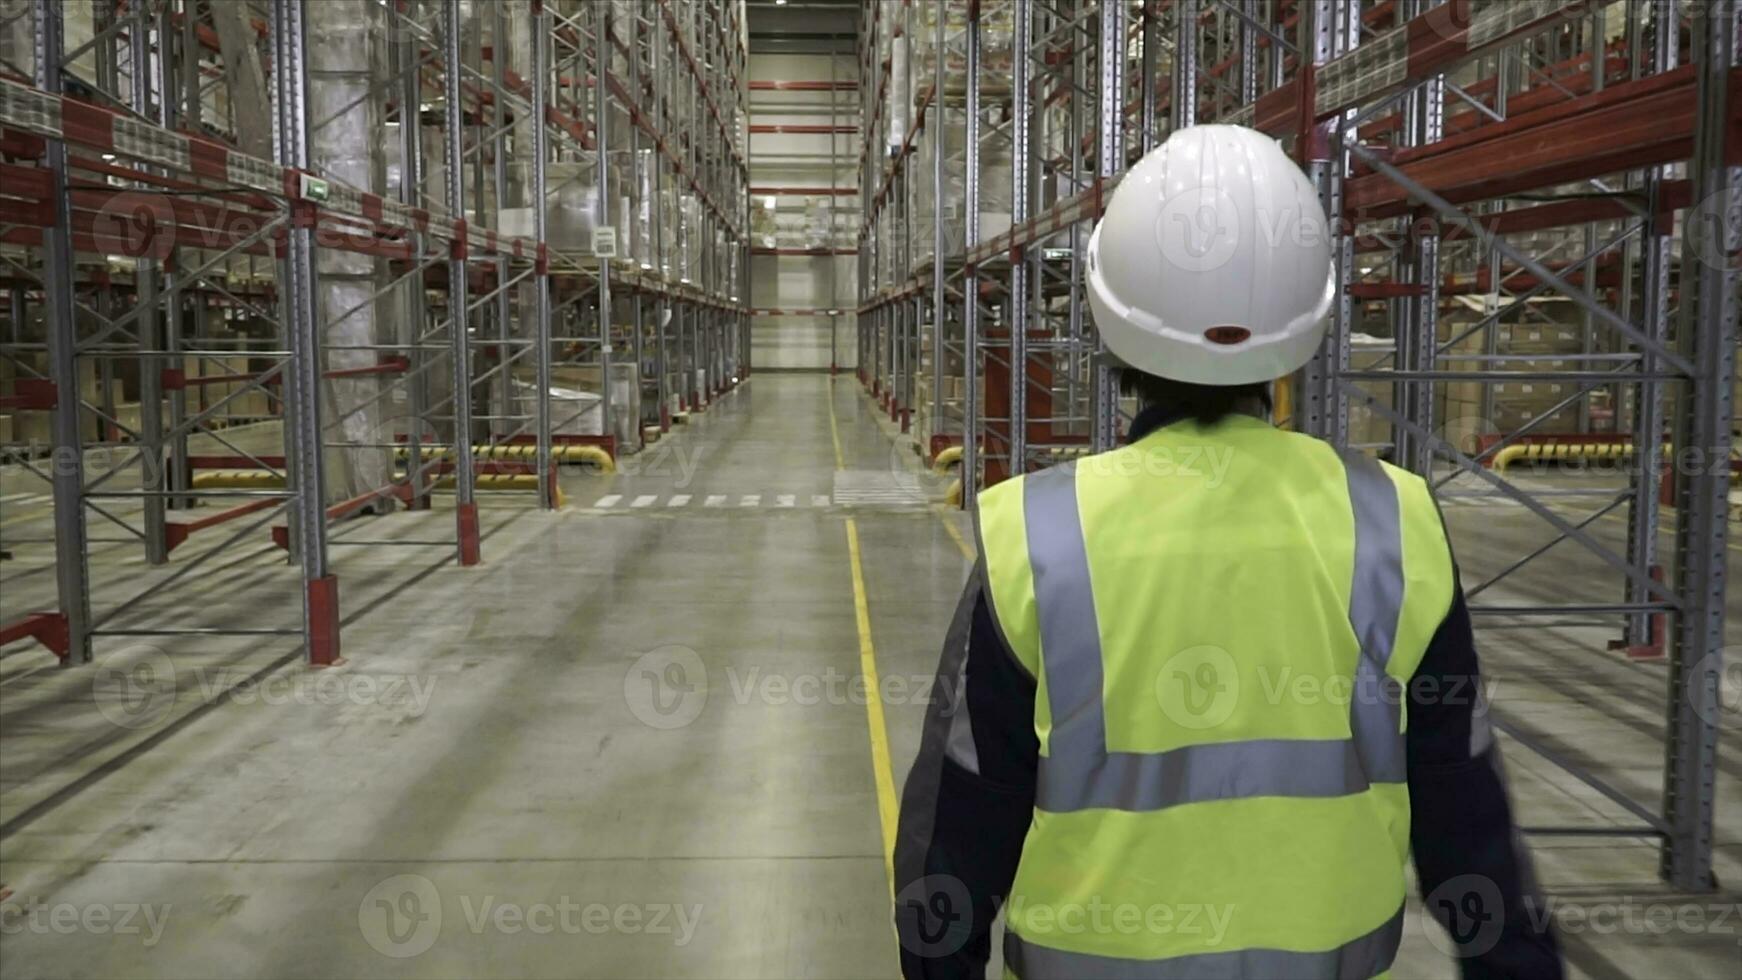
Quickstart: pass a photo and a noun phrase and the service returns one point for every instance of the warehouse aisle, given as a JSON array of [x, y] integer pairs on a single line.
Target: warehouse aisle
[[634, 742], [631, 744]]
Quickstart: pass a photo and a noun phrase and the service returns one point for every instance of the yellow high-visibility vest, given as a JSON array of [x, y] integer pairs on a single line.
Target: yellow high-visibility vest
[[1221, 622]]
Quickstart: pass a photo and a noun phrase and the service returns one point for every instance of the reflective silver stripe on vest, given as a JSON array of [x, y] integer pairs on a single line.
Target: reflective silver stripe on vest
[[1361, 959], [1078, 772], [1375, 606]]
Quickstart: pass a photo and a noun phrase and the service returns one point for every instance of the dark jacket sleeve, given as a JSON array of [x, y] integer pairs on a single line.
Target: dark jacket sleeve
[[1475, 874], [968, 800]]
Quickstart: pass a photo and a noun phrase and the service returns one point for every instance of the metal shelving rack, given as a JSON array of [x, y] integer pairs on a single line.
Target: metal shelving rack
[[215, 172], [841, 92], [1490, 152]]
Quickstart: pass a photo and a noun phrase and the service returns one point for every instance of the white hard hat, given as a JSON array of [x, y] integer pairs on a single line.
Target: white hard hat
[[1212, 264]]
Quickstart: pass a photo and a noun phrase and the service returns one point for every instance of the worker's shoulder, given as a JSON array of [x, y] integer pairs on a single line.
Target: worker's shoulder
[[1413, 489], [1007, 493], [999, 492], [1409, 484]]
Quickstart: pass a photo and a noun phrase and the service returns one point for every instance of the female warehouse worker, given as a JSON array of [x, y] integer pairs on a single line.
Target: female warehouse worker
[[1208, 693]]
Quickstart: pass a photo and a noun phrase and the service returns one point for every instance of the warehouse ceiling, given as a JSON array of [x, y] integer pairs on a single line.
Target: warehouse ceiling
[[803, 25]]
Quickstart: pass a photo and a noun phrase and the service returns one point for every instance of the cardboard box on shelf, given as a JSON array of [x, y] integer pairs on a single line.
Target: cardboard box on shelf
[[1367, 425], [1517, 403], [34, 430], [1536, 338], [128, 416], [254, 404], [1736, 406]]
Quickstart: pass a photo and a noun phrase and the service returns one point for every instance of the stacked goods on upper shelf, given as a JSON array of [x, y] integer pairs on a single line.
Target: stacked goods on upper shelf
[[997, 37], [764, 224], [1527, 402], [1460, 407], [996, 184], [637, 211], [819, 219], [945, 126], [1368, 426]]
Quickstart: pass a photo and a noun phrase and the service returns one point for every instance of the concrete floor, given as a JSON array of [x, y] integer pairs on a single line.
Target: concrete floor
[[629, 744]]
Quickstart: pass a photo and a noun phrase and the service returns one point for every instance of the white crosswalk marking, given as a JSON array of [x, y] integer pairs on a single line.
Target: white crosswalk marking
[[26, 497], [866, 488], [875, 487], [853, 492], [1473, 499]]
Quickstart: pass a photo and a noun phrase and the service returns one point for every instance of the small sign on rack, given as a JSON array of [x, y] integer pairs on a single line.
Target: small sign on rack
[[605, 242], [315, 189]]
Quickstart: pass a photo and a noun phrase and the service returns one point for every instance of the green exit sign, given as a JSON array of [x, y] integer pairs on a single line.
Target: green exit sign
[[315, 189]]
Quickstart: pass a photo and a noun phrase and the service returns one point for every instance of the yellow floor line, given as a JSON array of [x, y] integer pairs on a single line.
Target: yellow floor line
[[835, 428], [962, 544], [883, 772]]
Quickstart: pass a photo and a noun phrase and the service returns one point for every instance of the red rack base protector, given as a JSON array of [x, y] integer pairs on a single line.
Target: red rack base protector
[[469, 534], [323, 622]]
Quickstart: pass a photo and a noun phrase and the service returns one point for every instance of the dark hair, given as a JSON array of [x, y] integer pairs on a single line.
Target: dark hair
[[1206, 404]]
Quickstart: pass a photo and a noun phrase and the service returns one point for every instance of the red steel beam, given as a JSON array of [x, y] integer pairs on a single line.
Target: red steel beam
[[803, 86], [393, 491], [1566, 87], [823, 191], [807, 129], [803, 251], [49, 629], [1632, 125], [177, 532], [387, 365], [1673, 195], [234, 462]]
